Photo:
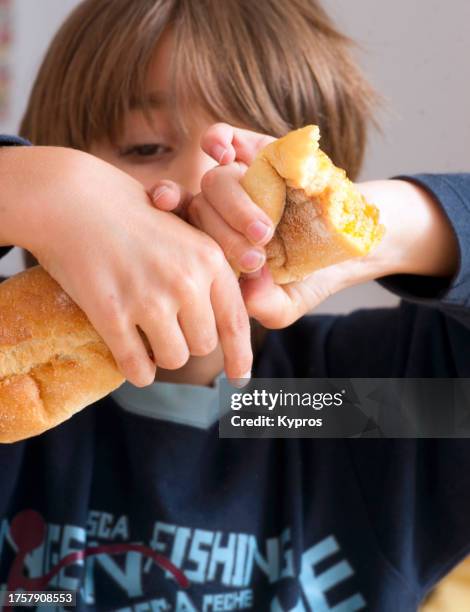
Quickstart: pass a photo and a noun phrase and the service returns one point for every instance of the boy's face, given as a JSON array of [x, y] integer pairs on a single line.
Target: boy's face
[[152, 152]]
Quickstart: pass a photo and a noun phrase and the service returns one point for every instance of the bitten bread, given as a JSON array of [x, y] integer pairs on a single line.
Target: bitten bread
[[320, 216], [52, 361]]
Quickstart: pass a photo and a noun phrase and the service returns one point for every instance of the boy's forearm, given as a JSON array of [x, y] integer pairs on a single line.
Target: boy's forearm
[[37, 185], [18, 197]]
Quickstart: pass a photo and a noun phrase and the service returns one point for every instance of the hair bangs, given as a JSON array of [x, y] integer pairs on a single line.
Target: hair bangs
[[215, 65]]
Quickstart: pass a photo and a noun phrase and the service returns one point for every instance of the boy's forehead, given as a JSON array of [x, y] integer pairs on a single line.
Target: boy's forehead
[[155, 99], [186, 120], [158, 77]]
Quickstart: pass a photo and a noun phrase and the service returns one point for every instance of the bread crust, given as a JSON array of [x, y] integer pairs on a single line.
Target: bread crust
[[318, 212], [52, 361]]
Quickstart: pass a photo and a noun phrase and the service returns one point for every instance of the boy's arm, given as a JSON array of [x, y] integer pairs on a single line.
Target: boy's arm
[[428, 335], [420, 237], [93, 229], [9, 141], [450, 294]]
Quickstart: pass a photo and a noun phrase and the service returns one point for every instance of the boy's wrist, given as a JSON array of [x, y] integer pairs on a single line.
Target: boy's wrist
[[418, 239]]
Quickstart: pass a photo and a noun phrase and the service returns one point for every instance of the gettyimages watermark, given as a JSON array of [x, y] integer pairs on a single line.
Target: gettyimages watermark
[[346, 408]]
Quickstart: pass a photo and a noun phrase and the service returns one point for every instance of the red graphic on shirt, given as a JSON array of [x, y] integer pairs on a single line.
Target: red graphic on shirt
[[28, 531]]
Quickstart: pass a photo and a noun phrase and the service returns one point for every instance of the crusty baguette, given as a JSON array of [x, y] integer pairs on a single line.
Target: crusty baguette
[[320, 216], [52, 361]]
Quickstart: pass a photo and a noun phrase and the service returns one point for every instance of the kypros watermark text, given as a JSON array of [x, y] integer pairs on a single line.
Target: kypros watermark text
[[344, 408]]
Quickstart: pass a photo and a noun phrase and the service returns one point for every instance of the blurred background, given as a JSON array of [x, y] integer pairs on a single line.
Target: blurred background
[[414, 53]]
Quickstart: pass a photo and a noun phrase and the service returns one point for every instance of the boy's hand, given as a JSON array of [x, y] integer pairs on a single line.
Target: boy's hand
[[223, 207], [413, 221], [128, 266]]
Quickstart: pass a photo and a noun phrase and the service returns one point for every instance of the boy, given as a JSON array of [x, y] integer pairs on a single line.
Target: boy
[[238, 524]]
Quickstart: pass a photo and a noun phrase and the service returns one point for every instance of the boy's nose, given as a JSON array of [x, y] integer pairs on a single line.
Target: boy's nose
[[191, 168]]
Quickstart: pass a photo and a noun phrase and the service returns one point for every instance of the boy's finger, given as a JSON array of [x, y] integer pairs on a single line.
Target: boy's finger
[[197, 321], [240, 253], [217, 142], [166, 339], [276, 306], [170, 196], [232, 325], [267, 302], [127, 347], [224, 143], [223, 191], [247, 144]]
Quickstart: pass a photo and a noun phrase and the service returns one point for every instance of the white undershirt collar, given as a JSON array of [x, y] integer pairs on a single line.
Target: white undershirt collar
[[191, 405]]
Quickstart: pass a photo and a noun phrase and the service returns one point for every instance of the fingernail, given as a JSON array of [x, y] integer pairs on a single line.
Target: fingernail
[[241, 382], [258, 231], [252, 260], [219, 152], [158, 192]]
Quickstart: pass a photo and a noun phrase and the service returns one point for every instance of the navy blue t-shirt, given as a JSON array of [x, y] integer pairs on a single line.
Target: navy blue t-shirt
[[273, 525]]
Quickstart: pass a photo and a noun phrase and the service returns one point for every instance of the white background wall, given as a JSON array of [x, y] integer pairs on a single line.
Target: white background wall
[[415, 52]]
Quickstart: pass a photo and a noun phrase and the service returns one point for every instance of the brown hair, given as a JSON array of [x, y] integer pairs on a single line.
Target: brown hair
[[272, 65]]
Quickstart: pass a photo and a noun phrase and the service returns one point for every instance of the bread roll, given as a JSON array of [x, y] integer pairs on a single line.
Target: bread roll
[[320, 216], [52, 361]]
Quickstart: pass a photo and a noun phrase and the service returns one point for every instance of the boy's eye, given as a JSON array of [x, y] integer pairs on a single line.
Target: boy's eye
[[145, 150]]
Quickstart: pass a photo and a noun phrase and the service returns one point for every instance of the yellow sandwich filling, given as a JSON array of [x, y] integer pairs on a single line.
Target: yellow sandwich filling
[[350, 214]]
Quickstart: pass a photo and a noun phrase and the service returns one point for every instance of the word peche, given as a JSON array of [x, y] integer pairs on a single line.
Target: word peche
[[281, 399]]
